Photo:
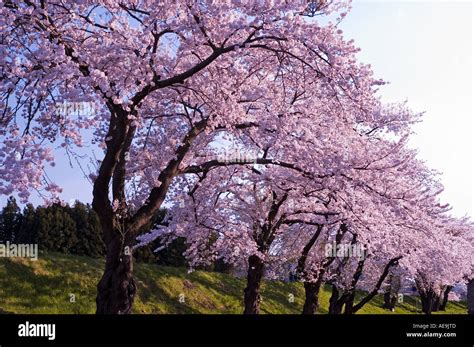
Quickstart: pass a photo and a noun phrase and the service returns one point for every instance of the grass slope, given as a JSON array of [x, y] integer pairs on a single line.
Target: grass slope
[[46, 285]]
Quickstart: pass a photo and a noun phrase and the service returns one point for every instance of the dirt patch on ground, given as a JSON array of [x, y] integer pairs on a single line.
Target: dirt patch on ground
[[188, 284]]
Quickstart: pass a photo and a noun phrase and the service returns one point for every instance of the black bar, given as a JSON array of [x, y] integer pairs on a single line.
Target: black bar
[[237, 329]]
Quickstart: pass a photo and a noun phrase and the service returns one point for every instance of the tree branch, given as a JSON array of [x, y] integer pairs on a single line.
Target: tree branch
[[368, 297]]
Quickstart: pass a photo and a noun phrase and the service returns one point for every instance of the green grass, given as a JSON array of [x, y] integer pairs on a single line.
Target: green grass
[[45, 286]]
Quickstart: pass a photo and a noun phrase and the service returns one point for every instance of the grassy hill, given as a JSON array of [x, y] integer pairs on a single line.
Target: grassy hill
[[46, 286]]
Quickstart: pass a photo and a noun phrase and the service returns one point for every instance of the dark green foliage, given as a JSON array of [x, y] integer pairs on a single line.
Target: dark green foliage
[[27, 233], [171, 255], [10, 221], [76, 230], [220, 265], [56, 229], [88, 231]]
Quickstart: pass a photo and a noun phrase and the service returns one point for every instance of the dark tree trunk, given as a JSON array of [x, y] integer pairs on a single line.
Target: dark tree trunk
[[423, 299], [391, 294], [252, 291], [335, 305], [427, 293], [444, 302], [311, 289], [427, 301], [436, 302], [349, 304], [470, 297], [389, 300], [311, 302], [116, 289]]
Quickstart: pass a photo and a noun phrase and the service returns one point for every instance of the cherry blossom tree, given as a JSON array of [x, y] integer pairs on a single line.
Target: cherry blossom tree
[[261, 215], [429, 249], [363, 197], [155, 73], [239, 215], [395, 214], [175, 82], [444, 262]]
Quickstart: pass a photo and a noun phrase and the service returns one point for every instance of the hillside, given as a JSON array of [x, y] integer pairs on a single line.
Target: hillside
[[46, 285]]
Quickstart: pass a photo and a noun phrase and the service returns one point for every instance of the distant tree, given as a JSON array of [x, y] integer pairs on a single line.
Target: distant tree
[[56, 229], [88, 231], [220, 265], [173, 254], [10, 221], [80, 216], [27, 233], [155, 252], [41, 225]]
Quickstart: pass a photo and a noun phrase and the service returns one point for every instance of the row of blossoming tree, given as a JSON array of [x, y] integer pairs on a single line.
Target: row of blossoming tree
[[252, 121]]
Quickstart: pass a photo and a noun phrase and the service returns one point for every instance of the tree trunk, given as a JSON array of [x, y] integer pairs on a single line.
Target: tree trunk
[[389, 300], [427, 294], [391, 293], [116, 289], [335, 305], [436, 302], [423, 299], [470, 297], [311, 302], [427, 301], [252, 291], [349, 304], [444, 302]]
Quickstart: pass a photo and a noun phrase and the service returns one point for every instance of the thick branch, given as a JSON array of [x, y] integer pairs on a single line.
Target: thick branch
[[307, 248], [158, 194], [263, 161], [368, 297], [118, 180]]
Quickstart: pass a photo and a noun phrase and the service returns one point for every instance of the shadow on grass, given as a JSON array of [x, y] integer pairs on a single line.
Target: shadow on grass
[[159, 291], [23, 287], [45, 286]]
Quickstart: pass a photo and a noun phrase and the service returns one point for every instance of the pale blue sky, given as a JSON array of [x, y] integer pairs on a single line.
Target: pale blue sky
[[424, 49]]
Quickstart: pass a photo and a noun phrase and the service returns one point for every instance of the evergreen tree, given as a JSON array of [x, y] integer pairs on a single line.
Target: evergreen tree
[[42, 226], [88, 231], [56, 229], [96, 243], [171, 255], [27, 233], [10, 221]]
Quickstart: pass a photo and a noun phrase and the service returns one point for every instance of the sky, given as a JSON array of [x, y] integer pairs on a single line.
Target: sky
[[424, 49]]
